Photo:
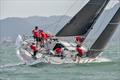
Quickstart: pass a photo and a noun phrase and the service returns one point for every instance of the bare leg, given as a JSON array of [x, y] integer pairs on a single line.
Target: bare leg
[[78, 60], [74, 58]]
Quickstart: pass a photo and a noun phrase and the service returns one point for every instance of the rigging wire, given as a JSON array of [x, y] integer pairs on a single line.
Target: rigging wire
[[58, 21]]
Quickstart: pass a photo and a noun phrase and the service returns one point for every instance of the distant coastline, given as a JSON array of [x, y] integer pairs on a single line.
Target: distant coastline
[[12, 26]]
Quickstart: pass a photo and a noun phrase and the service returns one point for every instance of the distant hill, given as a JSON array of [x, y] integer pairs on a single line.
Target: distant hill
[[11, 27]]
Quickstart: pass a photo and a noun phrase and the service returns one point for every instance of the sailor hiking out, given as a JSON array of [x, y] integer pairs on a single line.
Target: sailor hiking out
[[80, 53], [35, 33], [34, 50], [79, 40]]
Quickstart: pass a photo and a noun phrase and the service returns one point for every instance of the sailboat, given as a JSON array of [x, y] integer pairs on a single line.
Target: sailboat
[[95, 14]]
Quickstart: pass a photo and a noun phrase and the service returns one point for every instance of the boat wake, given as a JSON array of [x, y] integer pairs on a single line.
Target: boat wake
[[99, 60], [11, 65], [102, 59]]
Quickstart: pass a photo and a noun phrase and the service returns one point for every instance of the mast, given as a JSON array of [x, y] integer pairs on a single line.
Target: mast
[[82, 22], [105, 36]]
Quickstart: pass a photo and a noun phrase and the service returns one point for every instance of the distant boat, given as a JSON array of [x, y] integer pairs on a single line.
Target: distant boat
[[95, 13]]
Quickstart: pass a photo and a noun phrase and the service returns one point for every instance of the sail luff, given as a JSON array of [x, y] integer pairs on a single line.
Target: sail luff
[[82, 21], [97, 15], [105, 36]]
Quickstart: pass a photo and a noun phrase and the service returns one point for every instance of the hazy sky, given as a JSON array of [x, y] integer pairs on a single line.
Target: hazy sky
[[25, 8]]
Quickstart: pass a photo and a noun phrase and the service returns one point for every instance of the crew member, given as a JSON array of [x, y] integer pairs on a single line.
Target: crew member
[[35, 33], [59, 52], [80, 53], [59, 49], [43, 34], [79, 40], [34, 50], [39, 38]]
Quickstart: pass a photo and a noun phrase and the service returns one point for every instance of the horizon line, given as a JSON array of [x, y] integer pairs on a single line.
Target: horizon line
[[31, 16]]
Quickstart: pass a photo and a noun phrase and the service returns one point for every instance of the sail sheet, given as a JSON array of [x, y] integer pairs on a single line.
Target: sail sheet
[[83, 20], [105, 36]]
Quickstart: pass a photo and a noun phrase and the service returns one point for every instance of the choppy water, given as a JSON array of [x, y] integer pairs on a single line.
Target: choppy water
[[88, 71]]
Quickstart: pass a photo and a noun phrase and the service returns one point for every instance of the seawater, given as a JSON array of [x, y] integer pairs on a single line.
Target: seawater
[[85, 71]]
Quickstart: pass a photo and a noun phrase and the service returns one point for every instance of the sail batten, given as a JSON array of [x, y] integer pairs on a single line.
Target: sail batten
[[82, 22]]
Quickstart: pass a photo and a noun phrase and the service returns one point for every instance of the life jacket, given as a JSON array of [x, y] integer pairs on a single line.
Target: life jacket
[[35, 32], [33, 47], [58, 50], [78, 38], [43, 35], [39, 35], [79, 50], [47, 35]]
